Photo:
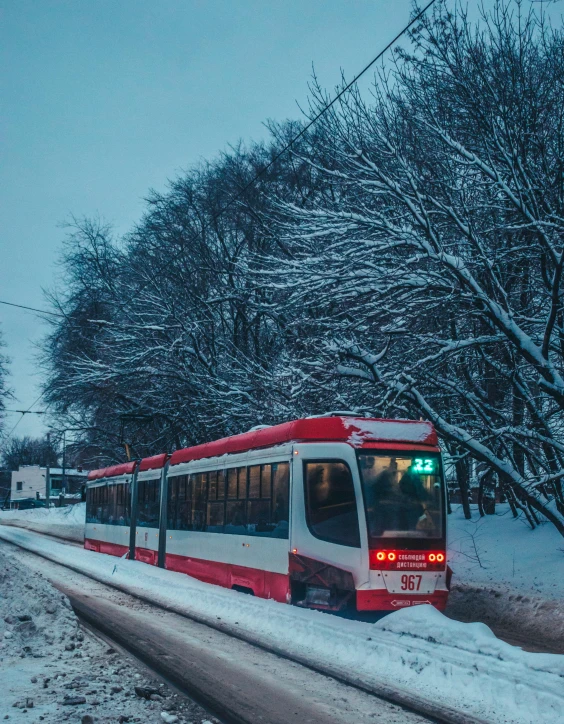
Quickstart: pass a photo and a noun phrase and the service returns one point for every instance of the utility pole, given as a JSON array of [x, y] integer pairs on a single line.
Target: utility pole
[[48, 475]]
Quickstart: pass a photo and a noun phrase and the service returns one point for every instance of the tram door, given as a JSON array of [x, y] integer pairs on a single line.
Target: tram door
[[147, 527], [328, 523]]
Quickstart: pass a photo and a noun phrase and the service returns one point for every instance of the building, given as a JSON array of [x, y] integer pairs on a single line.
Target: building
[[29, 482]]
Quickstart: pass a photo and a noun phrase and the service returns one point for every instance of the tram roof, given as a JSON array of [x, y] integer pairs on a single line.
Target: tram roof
[[356, 431], [113, 471]]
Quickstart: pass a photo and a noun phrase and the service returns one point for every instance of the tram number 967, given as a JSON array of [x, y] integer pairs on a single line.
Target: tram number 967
[[410, 582]]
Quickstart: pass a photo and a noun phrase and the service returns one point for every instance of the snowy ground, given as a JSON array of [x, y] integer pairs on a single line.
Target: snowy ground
[[504, 550], [67, 522], [508, 575], [53, 670], [417, 650]]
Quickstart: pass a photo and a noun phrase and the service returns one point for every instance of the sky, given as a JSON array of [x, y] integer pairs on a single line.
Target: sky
[[102, 101]]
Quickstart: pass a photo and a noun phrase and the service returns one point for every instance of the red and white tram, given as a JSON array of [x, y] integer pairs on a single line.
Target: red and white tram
[[326, 512]]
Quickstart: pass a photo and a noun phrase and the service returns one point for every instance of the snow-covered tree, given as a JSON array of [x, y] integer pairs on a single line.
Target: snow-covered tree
[[28, 451], [434, 271], [405, 257], [167, 338]]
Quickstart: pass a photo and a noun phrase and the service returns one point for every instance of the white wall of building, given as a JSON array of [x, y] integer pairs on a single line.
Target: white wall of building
[[32, 479]]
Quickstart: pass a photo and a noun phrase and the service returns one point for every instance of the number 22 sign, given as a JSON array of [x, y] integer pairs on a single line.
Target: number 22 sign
[[424, 465]]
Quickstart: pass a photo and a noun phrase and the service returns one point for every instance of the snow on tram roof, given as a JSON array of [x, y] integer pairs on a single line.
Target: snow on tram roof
[[355, 431], [112, 471], [153, 463]]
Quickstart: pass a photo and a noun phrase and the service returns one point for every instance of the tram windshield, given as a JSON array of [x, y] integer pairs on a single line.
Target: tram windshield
[[403, 495]]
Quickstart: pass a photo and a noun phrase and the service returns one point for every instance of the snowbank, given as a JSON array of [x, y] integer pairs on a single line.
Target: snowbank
[[508, 575], [419, 651], [499, 549], [67, 523], [51, 670]]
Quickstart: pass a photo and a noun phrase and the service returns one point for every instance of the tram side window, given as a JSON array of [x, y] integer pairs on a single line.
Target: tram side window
[[148, 503], [232, 483], [269, 515], [221, 482], [91, 505], [184, 521], [242, 483], [127, 504], [141, 494], [111, 510], [254, 481], [179, 503], [97, 504], [281, 499], [266, 481], [172, 503], [235, 514], [331, 510], [105, 504], [215, 515], [199, 490], [212, 485], [121, 509], [243, 501]]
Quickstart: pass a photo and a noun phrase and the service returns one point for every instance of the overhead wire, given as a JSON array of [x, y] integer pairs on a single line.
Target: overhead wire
[[236, 197], [31, 309], [23, 414]]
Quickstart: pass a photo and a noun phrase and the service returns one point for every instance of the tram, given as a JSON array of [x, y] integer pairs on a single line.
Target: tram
[[334, 512]]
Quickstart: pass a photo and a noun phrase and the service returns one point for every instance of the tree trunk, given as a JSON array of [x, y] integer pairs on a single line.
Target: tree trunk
[[461, 467]]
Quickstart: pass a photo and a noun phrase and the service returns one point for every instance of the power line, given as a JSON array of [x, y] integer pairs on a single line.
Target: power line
[[27, 412], [286, 148], [262, 171], [23, 414], [324, 110], [31, 309]]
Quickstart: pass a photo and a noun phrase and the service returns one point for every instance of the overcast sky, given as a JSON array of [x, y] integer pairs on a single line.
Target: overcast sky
[[103, 100]]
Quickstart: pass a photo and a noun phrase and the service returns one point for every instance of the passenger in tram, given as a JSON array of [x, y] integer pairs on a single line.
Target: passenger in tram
[[410, 508], [380, 496], [396, 499]]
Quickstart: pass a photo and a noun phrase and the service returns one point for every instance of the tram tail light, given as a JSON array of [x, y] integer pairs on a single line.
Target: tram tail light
[[394, 560]]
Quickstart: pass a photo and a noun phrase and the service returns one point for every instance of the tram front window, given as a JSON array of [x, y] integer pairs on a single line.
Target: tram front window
[[403, 495]]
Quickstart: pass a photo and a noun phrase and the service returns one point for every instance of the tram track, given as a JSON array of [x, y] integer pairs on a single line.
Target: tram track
[[160, 650]]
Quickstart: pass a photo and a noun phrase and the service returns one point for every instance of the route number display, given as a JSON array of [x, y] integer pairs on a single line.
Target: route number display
[[424, 466]]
